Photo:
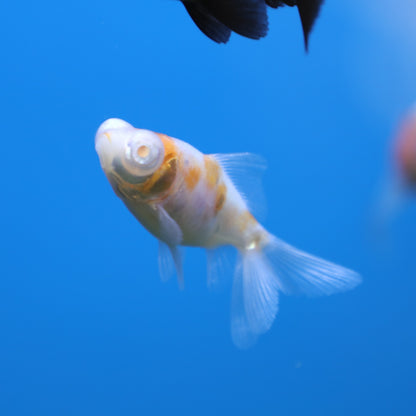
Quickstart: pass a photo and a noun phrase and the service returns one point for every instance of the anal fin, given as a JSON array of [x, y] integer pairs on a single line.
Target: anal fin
[[219, 265]]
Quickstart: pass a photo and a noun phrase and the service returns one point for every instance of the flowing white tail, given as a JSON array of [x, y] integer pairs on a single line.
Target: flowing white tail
[[261, 274]]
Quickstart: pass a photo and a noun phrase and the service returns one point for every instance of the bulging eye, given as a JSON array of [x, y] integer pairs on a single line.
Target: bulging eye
[[144, 153]]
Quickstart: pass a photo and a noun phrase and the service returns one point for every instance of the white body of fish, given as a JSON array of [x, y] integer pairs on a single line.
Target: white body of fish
[[184, 197]]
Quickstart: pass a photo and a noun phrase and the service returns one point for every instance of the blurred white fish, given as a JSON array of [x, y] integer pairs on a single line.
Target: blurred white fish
[[184, 197]]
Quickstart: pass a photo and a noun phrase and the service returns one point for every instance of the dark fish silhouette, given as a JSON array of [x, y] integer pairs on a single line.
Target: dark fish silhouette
[[218, 18]]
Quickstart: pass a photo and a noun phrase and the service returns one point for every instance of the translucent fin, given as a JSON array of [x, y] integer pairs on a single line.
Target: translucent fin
[[301, 273], [254, 300], [260, 275], [169, 230], [219, 265], [392, 197], [170, 259], [177, 258], [165, 260], [246, 171]]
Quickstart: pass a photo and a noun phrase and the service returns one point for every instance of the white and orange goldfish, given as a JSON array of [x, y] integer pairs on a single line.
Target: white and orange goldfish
[[184, 197]]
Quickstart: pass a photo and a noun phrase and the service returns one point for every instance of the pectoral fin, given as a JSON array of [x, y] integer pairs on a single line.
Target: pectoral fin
[[169, 230], [170, 236]]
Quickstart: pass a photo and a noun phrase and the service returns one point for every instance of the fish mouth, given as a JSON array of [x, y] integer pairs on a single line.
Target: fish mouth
[[102, 136], [104, 147], [101, 140]]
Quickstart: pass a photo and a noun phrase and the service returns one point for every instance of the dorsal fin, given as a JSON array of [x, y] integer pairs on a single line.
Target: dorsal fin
[[246, 171]]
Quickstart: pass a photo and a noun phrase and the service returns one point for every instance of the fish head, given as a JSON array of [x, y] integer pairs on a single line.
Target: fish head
[[130, 153]]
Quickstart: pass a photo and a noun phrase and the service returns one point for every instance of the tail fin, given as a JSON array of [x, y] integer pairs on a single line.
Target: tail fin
[[261, 274], [308, 12]]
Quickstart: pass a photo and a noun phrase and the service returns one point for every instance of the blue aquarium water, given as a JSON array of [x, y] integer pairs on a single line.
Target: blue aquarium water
[[87, 327]]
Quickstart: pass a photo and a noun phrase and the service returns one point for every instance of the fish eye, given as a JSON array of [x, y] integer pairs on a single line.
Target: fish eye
[[144, 153]]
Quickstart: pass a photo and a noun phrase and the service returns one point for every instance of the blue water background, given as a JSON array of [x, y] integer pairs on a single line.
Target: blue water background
[[86, 326]]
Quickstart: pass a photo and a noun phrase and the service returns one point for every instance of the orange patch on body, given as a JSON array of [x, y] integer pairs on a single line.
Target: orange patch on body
[[212, 171], [220, 197], [192, 176], [245, 220], [168, 144], [162, 180]]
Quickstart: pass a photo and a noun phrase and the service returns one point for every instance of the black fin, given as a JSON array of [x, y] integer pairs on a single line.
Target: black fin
[[207, 23], [308, 12], [275, 3], [245, 17]]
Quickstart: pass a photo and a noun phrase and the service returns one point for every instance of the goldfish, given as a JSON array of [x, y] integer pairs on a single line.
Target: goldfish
[[186, 198], [405, 144], [218, 18], [400, 183]]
